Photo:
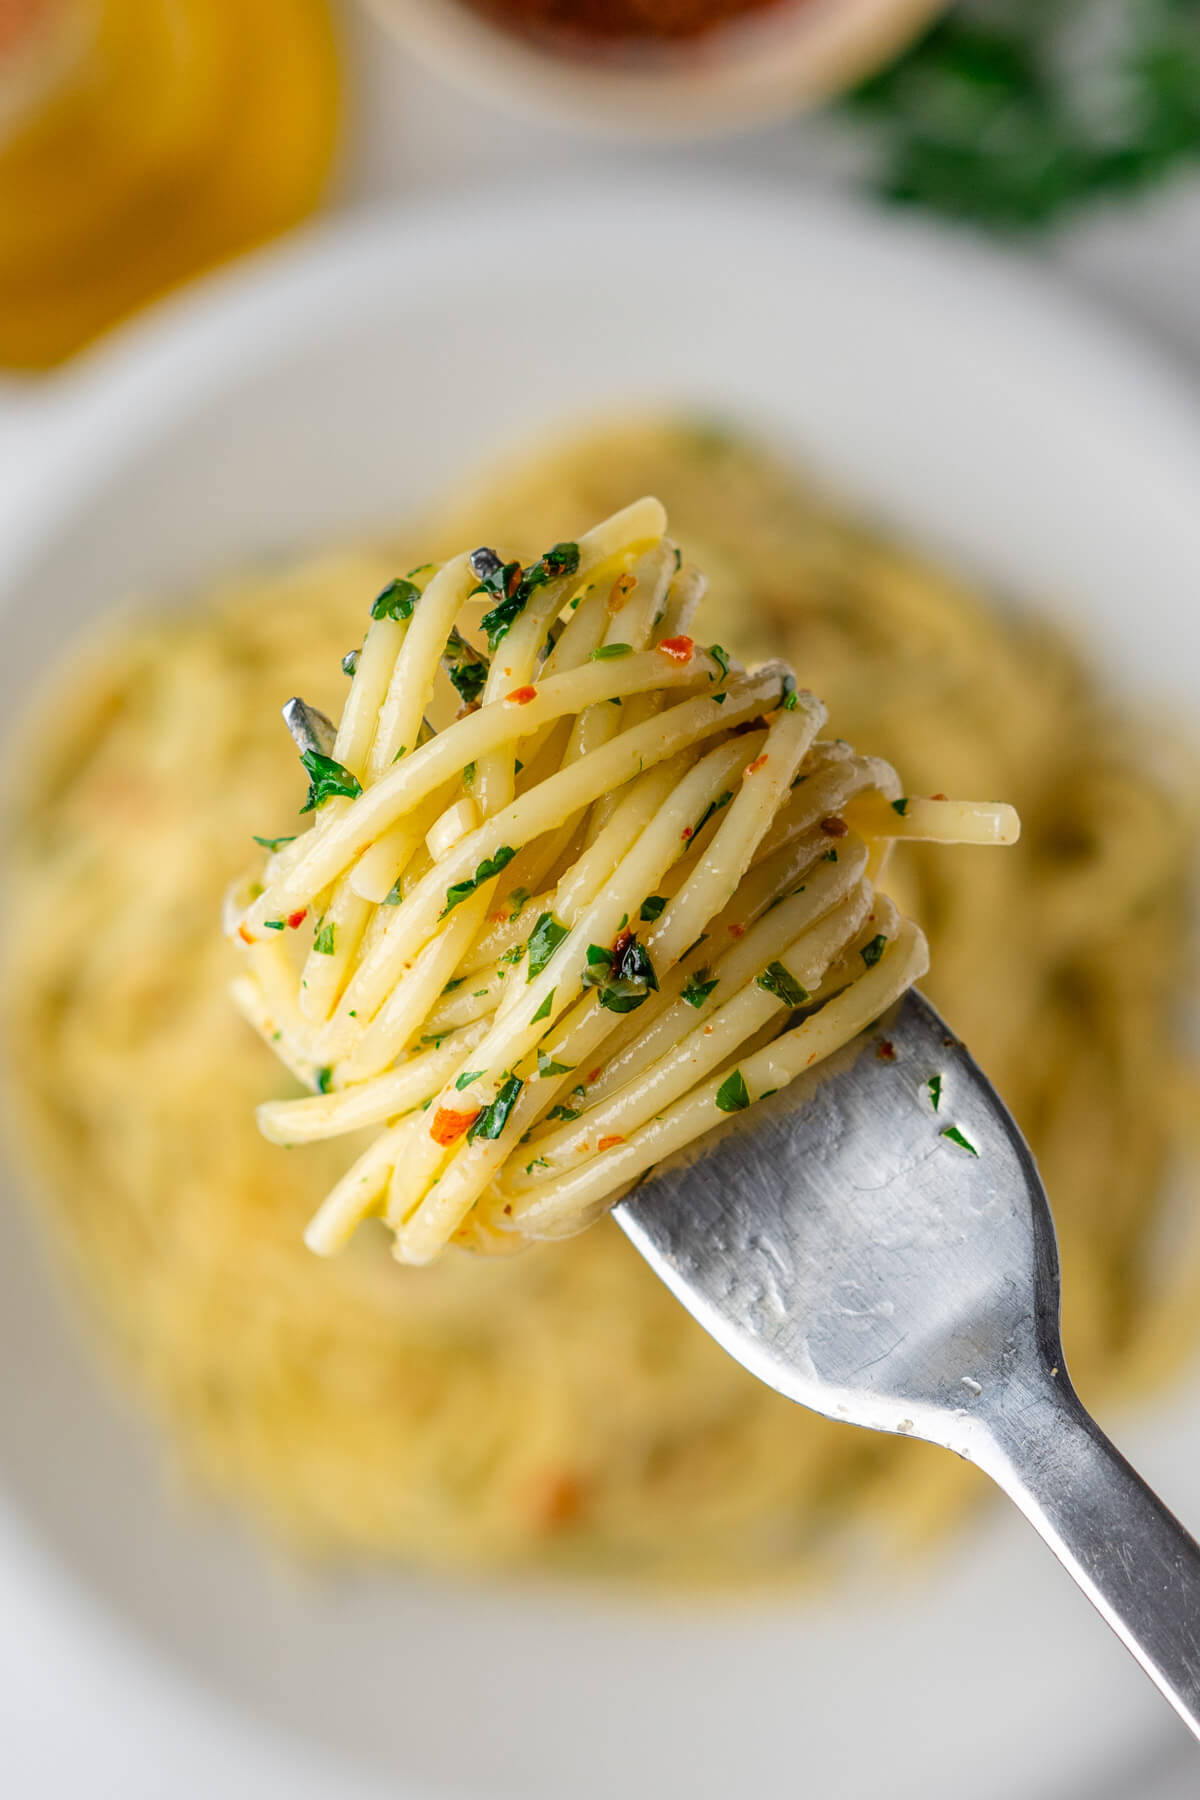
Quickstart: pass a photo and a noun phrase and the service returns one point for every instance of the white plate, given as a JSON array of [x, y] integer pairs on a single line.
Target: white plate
[[336, 385]]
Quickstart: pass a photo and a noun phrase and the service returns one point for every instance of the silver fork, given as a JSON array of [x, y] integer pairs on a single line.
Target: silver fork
[[892, 1262]]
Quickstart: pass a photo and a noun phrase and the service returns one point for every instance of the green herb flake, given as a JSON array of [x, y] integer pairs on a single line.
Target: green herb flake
[[732, 1095], [934, 1085], [350, 663], [539, 1162], [396, 600], [323, 943], [872, 952], [323, 1079], [327, 778], [480, 994], [714, 806], [468, 776], [467, 669], [543, 941], [652, 908], [900, 806], [789, 702], [721, 657], [562, 1112], [274, 844], [467, 1077], [543, 1011], [777, 980], [491, 865], [697, 989], [546, 1067], [956, 1137], [494, 1118], [830, 856], [608, 652], [422, 568], [393, 896], [274, 924]]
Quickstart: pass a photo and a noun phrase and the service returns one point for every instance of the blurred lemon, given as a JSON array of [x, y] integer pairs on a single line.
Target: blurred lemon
[[142, 140]]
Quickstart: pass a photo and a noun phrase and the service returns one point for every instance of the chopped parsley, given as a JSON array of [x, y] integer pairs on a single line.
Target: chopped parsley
[[492, 1120], [327, 778], [652, 907], [599, 962], [789, 701], [628, 977], [721, 657], [350, 663], [274, 924], [467, 1077], [456, 982], [396, 600], [511, 588], [274, 844], [520, 899], [934, 1084], [900, 806], [543, 1011], [606, 652], [324, 940], [872, 952], [697, 989], [512, 956], [539, 1162], [956, 1137], [562, 1112], [777, 980], [468, 776], [323, 1079], [421, 568], [543, 941], [491, 865], [830, 856], [732, 1095], [467, 669], [546, 1067], [713, 806], [393, 896]]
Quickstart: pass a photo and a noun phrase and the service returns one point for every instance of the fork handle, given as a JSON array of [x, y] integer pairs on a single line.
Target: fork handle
[[1132, 1558]]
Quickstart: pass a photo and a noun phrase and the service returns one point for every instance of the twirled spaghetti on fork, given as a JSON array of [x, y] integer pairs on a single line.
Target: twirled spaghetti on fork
[[627, 890]]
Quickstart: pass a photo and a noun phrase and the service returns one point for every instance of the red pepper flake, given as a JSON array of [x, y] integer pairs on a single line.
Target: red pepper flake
[[620, 591], [522, 696], [555, 1501], [736, 930], [939, 796], [246, 936], [758, 763], [297, 918], [595, 1075], [686, 832], [833, 827], [607, 1143], [886, 1050], [500, 918], [448, 1126], [679, 649]]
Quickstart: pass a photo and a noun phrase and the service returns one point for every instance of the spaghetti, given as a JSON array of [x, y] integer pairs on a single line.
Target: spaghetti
[[559, 1409], [542, 976]]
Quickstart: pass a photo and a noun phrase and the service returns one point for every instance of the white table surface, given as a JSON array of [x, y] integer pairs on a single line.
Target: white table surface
[[65, 1679]]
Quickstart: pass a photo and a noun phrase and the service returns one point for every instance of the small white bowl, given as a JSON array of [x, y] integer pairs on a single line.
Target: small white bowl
[[761, 66]]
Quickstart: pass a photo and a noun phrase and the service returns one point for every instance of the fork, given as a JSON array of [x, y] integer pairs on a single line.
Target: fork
[[878, 1246]]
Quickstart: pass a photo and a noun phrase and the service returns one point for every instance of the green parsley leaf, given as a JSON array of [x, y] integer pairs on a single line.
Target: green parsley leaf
[[543, 1011], [697, 989], [777, 980], [323, 1079], [274, 844], [713, 807], [721, 657], [631, 979], [467, 669], [607, 652], [539, 1162], [934, 1084], [327, 778], [323, 942], [830, 856], [393, 896], [543, 941], [396, 600], [732, 1095], [872, 952], [491, 865], [562, 1112], [900, 806], [274, 924], [494, 1118], [467, 1077], [652, 907], [545, 1067], [789, 701], [956, 1137]]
